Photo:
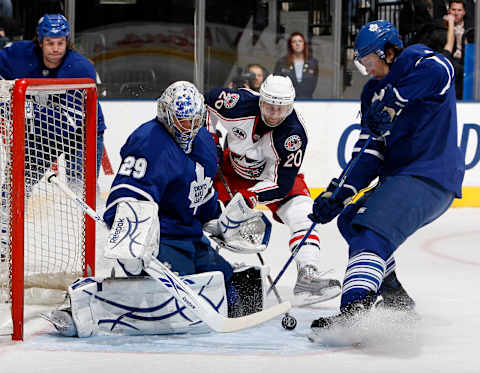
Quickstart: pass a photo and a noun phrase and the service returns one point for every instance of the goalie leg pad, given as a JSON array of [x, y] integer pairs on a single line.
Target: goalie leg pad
[[135, 235], [250, 285], [140, 306]]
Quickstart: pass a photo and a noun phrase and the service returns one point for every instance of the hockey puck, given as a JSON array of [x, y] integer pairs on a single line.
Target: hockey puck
[[289, 322]]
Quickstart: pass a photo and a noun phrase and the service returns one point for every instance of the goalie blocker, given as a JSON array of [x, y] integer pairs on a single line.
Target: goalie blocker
[[137, 306]]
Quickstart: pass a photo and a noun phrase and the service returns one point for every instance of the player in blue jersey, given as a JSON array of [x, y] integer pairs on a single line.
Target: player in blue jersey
[[50, 55], [409, 110], [265, 144]]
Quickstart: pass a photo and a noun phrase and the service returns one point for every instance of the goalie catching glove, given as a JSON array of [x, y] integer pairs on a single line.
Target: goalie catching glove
[[239, 228], [135, 235]]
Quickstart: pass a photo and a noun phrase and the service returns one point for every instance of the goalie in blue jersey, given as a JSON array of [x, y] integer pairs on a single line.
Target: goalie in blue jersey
[[160, 201], [409, 118]]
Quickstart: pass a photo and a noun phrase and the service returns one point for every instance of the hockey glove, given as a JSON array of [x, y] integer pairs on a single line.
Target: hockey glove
[[250, 197], [325, 208], [381, 113]]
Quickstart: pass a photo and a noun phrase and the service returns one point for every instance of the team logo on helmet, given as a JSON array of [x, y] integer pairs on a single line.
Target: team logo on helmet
[[373, 27], [293, 143], [238, 132]]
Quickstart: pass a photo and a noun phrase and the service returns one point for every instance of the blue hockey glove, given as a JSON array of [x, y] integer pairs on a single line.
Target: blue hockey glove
[[381, 113], [325, 208]]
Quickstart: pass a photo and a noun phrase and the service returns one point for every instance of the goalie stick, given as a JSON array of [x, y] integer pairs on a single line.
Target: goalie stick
[[181, 291]]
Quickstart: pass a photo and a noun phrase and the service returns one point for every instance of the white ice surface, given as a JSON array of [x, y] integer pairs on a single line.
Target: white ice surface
[[439, 266]]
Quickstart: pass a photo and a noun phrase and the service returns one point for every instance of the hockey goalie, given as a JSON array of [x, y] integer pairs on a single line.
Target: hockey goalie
[[160, 201]]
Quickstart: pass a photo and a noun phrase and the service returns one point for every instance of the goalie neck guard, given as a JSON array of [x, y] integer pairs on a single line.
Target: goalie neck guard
[[181, 109]]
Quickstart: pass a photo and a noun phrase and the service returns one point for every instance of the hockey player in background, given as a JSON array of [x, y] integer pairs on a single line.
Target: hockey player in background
[[50, 55], [165, 180], [409, 110], [264, 147]]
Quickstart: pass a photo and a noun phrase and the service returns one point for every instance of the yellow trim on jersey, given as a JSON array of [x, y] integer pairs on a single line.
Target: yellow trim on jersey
[[471, 196]]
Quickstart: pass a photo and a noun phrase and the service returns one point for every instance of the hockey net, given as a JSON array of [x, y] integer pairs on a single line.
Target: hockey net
[[46, 241]]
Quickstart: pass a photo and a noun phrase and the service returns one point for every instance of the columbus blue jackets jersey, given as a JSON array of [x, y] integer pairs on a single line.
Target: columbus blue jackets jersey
[[423, 141], [155, 168], [272, 156], [23, 59]]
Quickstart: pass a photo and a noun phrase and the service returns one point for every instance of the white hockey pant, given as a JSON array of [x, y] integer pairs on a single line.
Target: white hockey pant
[[294, 214]]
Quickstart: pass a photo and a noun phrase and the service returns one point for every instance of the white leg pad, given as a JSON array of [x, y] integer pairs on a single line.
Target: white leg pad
[[138, 306]]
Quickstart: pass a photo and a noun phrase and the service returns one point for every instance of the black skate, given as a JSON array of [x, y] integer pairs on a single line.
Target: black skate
[[348, 316], [394, 296]]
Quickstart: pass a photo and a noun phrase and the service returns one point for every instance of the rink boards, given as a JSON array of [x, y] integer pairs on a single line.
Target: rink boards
[[332, 127]]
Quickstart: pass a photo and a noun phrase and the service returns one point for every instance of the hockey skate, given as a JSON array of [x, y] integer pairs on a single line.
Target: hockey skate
[[348, 317], [394, 296], [311, 288], [62, 321]]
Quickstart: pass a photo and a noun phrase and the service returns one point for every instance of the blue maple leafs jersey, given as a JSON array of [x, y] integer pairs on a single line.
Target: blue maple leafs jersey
[[155, 168], [423, 141], [272, 156], [23, 59]]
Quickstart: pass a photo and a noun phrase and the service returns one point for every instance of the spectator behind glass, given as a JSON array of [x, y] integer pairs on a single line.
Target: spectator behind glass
[[457, 10], [298, 66], [260, 74]]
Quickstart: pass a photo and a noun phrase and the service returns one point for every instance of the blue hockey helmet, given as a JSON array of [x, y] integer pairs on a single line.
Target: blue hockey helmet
[[53, 26], [374, 36]]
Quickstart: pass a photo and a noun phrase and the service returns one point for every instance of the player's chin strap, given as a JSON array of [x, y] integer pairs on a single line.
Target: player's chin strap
[[173, 284]]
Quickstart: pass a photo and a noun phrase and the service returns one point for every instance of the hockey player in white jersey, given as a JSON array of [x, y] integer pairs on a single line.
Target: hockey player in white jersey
[[263, 151]]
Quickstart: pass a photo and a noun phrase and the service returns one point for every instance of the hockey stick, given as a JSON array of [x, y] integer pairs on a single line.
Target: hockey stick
[[288, 321], [343, 177], [180, 290]]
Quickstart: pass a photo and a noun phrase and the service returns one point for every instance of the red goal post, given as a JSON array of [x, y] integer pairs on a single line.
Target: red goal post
[[45, 240]]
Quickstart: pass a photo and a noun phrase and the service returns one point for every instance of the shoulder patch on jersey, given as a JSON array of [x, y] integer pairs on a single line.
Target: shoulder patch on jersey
[[227, 100], [293, 143], [240, 133], [231, 100]]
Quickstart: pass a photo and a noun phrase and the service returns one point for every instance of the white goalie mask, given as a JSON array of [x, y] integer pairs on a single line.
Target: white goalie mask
[[182, 110], [276, 99]]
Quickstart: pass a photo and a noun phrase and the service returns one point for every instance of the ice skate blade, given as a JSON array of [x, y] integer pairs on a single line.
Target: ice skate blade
[[304, 299]]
